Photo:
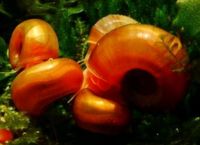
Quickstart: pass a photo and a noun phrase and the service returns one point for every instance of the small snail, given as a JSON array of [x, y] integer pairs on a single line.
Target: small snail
[[38, 86], [32, 42], [100, 114]]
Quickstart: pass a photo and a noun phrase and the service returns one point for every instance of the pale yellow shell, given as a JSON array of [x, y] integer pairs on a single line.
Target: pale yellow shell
[[105, 25]]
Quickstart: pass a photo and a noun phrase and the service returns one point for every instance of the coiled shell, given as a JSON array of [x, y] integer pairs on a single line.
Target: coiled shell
[[135, 57]]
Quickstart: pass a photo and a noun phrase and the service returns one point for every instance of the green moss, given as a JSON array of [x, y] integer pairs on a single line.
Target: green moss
[[188, 17]]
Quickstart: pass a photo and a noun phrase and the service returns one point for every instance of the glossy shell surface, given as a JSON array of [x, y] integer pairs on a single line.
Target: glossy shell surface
[[38, 86], [156, 53], [100, 114], [32, 42]]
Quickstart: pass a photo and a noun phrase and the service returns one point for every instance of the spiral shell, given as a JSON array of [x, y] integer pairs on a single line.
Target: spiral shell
[[32, 42], [148, 64]]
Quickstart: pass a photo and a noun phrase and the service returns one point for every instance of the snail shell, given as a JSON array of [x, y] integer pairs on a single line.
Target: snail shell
[[38, 86], [105, 25], [32, 42], [147, 63], [100, 114]]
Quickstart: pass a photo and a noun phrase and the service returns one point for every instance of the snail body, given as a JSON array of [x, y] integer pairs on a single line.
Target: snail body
[[94, 83]]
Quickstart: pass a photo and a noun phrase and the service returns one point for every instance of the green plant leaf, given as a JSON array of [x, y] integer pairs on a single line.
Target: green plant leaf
[[75, 10]]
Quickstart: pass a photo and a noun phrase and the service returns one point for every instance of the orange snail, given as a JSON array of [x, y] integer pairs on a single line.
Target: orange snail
[[38, 86], [100, 113], [142, 64], [32, 42], [146, 63], [43, 77]]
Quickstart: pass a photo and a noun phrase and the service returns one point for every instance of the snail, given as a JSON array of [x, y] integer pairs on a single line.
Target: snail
[[147, 64], [38, 86], [100, 114], [32, 42]]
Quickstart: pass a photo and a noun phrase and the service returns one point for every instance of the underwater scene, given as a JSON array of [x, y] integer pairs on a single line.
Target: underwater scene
[[99, 72]]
